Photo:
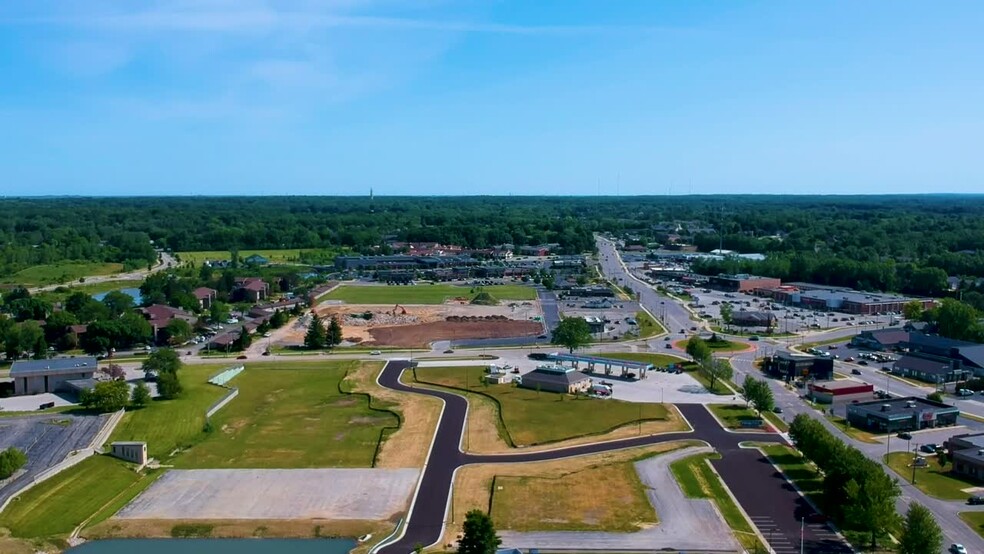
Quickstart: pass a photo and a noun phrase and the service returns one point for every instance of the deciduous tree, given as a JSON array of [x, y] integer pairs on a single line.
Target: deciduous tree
[[479, 536], [698, 349], [140, 396], [106, 396], [920, 532], [572, 332]]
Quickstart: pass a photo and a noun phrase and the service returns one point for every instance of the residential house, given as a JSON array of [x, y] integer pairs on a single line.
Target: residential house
[[160, 315], [205, 296], [251, 289]]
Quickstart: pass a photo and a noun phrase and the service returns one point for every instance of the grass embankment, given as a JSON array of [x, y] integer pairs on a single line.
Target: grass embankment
[[661, 360], [99, 485], [275, 256], [796, 468], [527, 417], [292, 416], [776, 421], [732, 415], [648, 327], [853, 432], [807, 345], [424, 294], [53, 274], [931, 479], [699, 480], [720, 345]]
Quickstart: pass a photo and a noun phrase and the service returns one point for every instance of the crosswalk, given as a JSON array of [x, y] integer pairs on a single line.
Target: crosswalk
[[817, 538]]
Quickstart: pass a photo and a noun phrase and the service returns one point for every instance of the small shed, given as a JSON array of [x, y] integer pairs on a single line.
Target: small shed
[[131, 451]]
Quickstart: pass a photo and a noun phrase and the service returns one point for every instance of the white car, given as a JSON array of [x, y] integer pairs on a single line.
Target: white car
[[375, 353], [958, 549]]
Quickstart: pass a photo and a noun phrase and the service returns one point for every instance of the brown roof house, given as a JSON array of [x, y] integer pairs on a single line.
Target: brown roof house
[[205, 296], [251, 289], [159, 315]]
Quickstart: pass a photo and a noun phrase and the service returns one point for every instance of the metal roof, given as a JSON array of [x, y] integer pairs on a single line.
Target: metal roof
[[26, 368]]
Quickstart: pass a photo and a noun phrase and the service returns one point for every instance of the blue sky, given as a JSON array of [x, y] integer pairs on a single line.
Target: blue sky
[[495, 97]]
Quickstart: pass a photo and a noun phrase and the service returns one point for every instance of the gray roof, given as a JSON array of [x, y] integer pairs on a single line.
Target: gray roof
[[897, 408], [541, 376], [924, 365], [54, 366]]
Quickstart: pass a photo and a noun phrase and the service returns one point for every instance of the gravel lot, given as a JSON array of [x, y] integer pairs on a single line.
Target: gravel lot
[[684, 523], [46, 439], [335, 494]]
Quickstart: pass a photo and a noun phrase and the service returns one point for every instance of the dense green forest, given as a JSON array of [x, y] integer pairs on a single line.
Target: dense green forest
[[871, 241]]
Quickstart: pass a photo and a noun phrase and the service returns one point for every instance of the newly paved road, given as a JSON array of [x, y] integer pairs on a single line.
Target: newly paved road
[[758, 487]]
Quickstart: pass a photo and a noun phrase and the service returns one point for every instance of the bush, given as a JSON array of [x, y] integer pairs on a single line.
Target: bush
[[11, 460]]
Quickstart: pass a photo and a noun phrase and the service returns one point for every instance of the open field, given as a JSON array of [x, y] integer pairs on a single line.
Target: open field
[[424, 294], [529, 417], [168, 425], [732, 415], [291, 416], [473, 487], [932, 480], [275, 256], [408, 446], [65, 501], [51, 274], [699, 480]]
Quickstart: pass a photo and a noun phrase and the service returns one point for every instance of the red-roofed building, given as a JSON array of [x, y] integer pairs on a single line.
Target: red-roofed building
[[205, 296], [251, 289], [159, 315]]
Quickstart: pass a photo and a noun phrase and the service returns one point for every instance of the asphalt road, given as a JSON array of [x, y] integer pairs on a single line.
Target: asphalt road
[[755, 482]]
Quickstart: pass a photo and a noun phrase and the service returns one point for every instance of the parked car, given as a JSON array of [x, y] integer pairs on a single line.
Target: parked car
[[862, 362], [753, 338], [668, 345], [241, 357], [929, 448], [849, 359], [449, 351], [375, 353], [777, 410], [833, 347], [975, 500], [958, 549], [855, 371]]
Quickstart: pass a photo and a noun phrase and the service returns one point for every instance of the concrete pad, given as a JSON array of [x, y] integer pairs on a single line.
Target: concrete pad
[[31, 402], [334, 494], [684, 523]]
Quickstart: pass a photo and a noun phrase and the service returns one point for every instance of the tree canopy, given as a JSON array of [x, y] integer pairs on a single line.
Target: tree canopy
[[572, 332], [479, 536]]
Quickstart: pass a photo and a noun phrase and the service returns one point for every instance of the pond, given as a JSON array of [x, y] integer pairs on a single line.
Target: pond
[[216, 546], [133, 292]]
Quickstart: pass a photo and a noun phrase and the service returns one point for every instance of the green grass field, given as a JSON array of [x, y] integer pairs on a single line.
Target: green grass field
[[720, 345], [170, 424], [648, 327], [275, 256], [975, 520], [530, 417], [424, 294], [58, 505], [854, 432], [733, 415], [51, 274], [291, 416], [699, 480], [932, 480]]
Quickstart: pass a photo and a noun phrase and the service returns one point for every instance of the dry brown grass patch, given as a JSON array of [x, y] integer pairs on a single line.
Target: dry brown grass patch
[[240, 528], [473, 489], [408, 446]]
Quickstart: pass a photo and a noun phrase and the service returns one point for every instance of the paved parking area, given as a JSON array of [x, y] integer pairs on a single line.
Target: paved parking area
[[618, 316], [31, 402], [684, 523], [336, 494], [46, 439]]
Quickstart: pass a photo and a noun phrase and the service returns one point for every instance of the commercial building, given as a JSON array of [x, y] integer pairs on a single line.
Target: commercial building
[[881, 339], [839, 299], [555, 378], [790, 366], [596, 291], [595, 323], [958, 354], [930, 369], [828, 392], [744, 318], [901, 414], [742, 282], [967, 455], [54, 375]]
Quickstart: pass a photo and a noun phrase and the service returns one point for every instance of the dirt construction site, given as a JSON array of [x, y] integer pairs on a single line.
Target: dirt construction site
[[415, 326]]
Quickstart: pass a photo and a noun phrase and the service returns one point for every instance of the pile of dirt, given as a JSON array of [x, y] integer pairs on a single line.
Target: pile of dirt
[[378, 319], [485, 299], [476, 318]]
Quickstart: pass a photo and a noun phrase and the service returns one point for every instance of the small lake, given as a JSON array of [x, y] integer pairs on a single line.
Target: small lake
[[132, 292], [216, 546]]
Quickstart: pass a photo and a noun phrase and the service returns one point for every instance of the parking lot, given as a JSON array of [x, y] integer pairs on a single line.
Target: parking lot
[[47, 440], [617, 316]]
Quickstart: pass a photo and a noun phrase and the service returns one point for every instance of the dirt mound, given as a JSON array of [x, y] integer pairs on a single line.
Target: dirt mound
[[476, 318], [419, 336]]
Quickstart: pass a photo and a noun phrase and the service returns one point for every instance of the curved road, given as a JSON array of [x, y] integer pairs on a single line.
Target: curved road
[[755, 483]]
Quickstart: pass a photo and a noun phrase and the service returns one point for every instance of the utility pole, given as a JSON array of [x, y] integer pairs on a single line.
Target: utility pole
[[802, 528], [914, 456]]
